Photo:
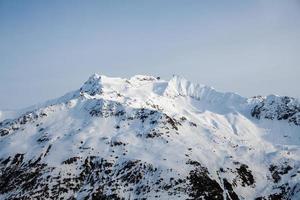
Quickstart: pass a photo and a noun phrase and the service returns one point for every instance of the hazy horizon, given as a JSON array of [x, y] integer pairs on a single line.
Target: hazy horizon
[[48, 48]]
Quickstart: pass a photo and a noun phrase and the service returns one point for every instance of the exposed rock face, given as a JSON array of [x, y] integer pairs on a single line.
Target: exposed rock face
[[279, 108], [146, 138]]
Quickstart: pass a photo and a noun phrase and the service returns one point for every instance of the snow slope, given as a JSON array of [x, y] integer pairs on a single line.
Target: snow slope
[[8, 114], [147, 138]]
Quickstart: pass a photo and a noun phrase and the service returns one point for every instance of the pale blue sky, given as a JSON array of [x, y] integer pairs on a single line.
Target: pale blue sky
[[50, 47]]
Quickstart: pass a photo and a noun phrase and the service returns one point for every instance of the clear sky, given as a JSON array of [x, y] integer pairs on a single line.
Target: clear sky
[[51, 47]]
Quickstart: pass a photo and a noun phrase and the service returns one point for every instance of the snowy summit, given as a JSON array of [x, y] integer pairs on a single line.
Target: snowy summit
[[147, 138]]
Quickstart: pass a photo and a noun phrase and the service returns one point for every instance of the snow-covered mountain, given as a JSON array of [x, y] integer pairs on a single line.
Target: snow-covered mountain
[[146, 138]]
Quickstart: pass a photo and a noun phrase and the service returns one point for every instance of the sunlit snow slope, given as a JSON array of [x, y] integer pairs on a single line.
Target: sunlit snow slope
[[146, 138]]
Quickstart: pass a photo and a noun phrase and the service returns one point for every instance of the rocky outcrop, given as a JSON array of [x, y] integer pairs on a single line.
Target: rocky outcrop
[[278, 108]]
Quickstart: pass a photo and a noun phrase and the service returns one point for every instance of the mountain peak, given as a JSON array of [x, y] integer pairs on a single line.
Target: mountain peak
[[93, 85], [147, 138], [178, 85]]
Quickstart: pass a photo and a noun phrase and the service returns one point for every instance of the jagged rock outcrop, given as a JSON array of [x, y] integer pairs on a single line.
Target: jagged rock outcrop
[[278, 108]]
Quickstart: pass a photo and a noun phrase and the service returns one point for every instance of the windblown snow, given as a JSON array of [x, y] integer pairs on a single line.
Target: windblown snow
[[147, 138]]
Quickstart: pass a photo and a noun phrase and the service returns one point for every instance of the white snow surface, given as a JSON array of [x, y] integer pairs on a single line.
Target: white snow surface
[[224, 131]]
